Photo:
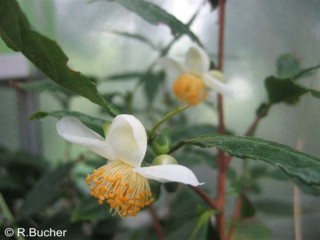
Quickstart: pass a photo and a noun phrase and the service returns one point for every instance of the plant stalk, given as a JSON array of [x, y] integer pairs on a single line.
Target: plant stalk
[[223, 163], [156, 223]]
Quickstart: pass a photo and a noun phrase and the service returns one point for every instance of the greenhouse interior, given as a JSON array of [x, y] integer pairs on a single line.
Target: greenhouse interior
[[160, 119]]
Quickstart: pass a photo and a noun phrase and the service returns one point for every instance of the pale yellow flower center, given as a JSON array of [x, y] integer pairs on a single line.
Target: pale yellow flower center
[[124, 190], [189, 88]]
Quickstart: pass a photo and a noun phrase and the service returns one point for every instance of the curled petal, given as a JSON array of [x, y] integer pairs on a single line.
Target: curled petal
[[197, 60], [128, 139], [169, 173], [216, 85], [74, 131], [171, 65]]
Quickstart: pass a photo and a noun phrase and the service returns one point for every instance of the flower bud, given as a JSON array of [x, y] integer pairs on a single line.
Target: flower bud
[[161, 144], [164, 159]]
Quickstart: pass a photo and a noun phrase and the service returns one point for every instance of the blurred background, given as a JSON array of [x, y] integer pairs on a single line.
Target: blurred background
[[257, 33]]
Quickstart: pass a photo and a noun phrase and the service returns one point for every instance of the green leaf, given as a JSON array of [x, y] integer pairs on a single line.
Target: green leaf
[[201, 228], [45, 191], [183, 132], [136, 36], [283, 90], [91, 122], [44, 53], [294, 163], [89, 209], [156, 15]]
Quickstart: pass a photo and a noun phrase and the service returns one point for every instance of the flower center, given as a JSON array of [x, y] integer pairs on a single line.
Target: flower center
[[124, 190], [189, 88]]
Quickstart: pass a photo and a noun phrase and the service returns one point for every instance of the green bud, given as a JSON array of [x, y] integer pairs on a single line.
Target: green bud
[[164, 159], [161, 144]]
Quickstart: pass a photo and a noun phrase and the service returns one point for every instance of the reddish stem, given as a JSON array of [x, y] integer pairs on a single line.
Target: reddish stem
[[205, 197], [223, 163], [156, 224]]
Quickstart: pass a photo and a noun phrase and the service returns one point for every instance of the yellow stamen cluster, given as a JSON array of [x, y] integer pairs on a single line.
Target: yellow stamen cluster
[[124, 190], [189, 88]]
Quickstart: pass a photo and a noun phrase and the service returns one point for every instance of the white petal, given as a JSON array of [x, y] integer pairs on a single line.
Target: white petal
[[169, 173], [197, 61], [74, 131], [171, 65], [128, 139], [217, 85]]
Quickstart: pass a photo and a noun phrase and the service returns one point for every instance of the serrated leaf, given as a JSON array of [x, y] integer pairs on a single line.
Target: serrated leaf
[[45, 191], [91, 122], [294, 163], [44, 53], [183, 132], [89, 209], [156, 15]]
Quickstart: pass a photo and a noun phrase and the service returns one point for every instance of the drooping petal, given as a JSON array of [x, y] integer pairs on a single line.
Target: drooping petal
[[171, 65], [217, 85], [169, 173], [74, 131], [197, 60], [128, 139]]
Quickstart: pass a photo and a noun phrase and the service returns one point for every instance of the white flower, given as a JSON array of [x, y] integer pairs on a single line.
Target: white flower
[[122, 182], [195, 81]]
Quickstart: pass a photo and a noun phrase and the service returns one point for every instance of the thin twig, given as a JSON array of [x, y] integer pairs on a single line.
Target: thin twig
[[205, 197], [235, 217], [156, 223], [223, 163]]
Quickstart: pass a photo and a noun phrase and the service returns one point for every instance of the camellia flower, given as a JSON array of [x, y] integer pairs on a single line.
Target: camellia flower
[[122, 182], [195, 81]]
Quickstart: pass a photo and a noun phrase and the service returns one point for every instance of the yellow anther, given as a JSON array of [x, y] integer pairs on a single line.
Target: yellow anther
[[189, 88], [124, 190]]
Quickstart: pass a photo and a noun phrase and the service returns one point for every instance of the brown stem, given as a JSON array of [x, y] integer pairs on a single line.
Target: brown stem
[[156, 224], [223, 163], [205, 197]]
